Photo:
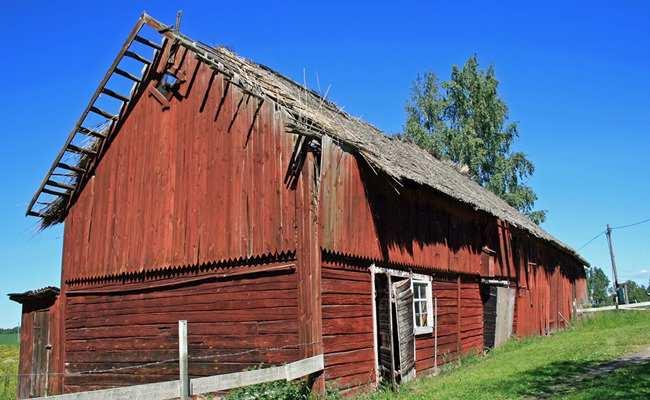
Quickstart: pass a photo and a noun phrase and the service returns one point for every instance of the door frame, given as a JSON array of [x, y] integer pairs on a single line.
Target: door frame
[[374, 270]]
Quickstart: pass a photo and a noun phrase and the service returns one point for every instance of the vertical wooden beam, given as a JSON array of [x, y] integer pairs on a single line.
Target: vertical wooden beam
[[458, 344], [435, 334], [309, 267], [184, 386], [393, 380]]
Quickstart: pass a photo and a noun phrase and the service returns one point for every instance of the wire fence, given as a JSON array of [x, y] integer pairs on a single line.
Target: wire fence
[[211, 357]]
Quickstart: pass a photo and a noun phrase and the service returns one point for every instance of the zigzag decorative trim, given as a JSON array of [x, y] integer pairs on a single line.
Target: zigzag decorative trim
[[168, 272]]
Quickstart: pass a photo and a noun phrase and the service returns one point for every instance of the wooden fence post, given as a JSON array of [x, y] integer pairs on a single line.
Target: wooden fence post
[[184, 385]]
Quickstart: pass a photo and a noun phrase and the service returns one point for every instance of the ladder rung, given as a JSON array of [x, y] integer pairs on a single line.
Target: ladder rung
[[35, 214], [71, 168], [54, 192], [102, 113], [114, 94], [59, 185], [78, 149], [127, 75], [91, 132], [147, 42], [136, 56]]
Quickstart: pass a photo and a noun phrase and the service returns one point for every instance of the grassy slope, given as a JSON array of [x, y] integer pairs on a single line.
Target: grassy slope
[[529, 368], [8, 371]]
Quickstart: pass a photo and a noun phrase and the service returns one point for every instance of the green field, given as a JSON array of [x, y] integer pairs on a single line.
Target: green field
[[548, 367], [8, 367], [9, 339]]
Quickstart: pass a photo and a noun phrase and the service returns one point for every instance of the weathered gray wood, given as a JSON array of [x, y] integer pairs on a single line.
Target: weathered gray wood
[[184, 387], [150, 391], [289, 371], [405, 328], [505, 315], [210, 384]]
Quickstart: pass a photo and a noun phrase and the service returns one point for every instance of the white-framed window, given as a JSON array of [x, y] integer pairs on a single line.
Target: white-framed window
[[422, 306]]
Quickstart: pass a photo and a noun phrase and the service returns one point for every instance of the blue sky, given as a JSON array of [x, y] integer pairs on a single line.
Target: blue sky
[[576, 78]]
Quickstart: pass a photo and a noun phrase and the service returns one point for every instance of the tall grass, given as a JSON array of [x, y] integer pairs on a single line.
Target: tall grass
[[8, 371]]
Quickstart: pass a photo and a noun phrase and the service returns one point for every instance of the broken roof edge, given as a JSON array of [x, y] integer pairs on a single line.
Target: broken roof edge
[[45, 293], [311, 114]]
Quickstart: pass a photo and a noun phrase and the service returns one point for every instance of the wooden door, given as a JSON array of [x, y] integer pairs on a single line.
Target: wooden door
[[384, 328], [505, 315], [489, 298], [40, 353], [405, 329]]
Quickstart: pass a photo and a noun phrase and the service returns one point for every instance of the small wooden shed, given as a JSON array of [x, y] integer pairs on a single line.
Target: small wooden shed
[[220, 192], [39, 329]]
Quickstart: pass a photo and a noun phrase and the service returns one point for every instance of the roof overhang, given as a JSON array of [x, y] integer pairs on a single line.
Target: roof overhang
[[48, 293]]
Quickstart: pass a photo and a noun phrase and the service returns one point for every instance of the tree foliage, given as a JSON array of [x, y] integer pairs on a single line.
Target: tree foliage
[[598, 285], [636, 293], [465, 120]]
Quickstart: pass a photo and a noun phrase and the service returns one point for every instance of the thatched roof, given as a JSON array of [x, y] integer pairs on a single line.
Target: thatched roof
[[308, 113]]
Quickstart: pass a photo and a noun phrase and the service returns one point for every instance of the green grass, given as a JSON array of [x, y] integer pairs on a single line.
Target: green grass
[[9, 339], [547, 367], [8, 371]]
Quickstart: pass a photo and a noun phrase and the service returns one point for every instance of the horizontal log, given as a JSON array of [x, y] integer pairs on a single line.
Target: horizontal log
[[346, 342]]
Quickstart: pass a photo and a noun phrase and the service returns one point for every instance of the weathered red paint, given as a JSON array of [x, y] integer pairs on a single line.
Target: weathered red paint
[[194, 192]]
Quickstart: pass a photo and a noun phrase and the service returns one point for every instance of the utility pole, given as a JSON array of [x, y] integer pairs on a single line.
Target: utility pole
[[611, 254]]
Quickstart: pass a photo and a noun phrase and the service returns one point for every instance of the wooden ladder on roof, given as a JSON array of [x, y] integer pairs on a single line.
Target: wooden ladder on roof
[[66, 190]]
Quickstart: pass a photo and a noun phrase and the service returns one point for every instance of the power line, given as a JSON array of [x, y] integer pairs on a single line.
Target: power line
[[591, 240], [613, 228], [630, 225]]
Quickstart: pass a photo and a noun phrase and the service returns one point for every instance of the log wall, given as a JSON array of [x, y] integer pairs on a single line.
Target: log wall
[[348, 340], [233, 324]]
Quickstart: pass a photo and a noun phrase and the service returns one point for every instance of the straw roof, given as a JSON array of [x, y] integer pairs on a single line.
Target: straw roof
[[308, 113], [311, 114]]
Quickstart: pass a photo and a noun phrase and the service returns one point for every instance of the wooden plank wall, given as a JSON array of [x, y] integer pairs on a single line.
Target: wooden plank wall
[[471, 325], [33, 355], [26, 353], [547, 283], [348, 341], [199, 182], [362, 215], [233, 325]]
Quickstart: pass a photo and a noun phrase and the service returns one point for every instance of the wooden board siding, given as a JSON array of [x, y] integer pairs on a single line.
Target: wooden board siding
[[348, 341], [547, 284], [471, 322], [362, 215], [26, 355], [40, 359], [410, 225], [199, 182], [233, 325], [446, 292]]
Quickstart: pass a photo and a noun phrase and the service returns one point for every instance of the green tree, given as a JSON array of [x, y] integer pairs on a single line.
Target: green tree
[[597, 285], [464, 120], [636, 293]]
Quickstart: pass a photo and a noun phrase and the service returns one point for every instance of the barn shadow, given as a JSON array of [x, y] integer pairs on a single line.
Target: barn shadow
[[591, 380], [406, 214]]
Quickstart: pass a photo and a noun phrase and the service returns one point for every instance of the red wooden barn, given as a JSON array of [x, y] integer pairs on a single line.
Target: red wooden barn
[[220, 192]]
